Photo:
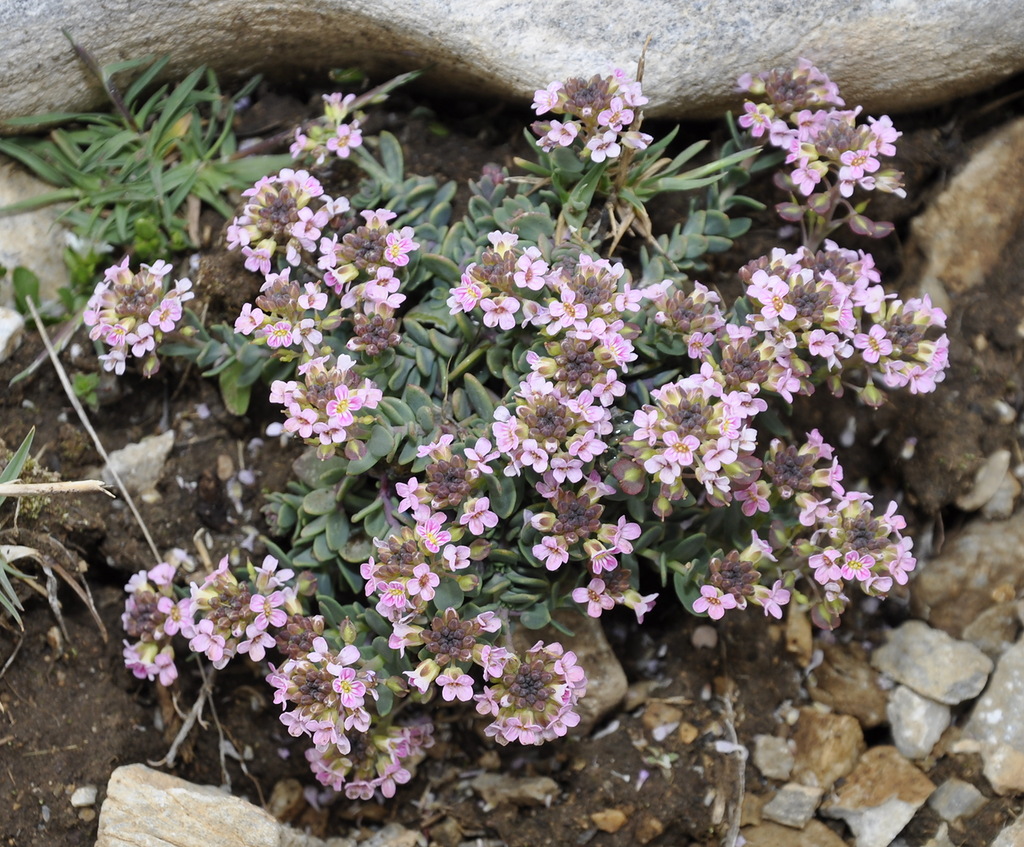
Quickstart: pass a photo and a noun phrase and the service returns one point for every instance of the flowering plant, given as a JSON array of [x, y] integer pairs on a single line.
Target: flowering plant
[[507, 423]]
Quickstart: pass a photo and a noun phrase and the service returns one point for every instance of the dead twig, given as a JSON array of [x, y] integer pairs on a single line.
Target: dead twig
[[194, 715], [16, 488]]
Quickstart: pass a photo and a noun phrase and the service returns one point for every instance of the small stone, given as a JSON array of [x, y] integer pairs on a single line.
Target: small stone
[[917, 722], [995, 630], [496, 789], [768, 834], [773, 756], [85, 795], [87, 815], [955, 587], [998, 716], [846, 683], [879, 797], [447, 833], [687, 732], [225, 467], [12, 329], [647, 829], [661, 719], [986, 481], [940, 839], [33, 240], [1004, 768], [956, 799], [286, 800], [144, 805], [704, 636], [609, 820], [1001, 505], [140, 465], [1011, 836], [793, 805], [827, 747], [933, 663]]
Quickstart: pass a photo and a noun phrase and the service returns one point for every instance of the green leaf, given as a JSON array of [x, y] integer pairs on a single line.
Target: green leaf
[[385, 696], [503, 494], [17, 461], [391, 157], [687, 590], [536, 618], [26, 287], [331, 609], [381, 441], [322, 501], [234, 393], [479, 397], [577, 206], [448, 595]]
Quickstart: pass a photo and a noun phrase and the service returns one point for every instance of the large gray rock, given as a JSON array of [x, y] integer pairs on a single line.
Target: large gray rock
[[887, 56]]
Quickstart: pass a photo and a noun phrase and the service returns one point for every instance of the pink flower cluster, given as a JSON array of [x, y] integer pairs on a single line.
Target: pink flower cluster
[[827, 310], [380, 759], [848, 543], [286, 315], [337, 133], [221, 618], [132, 313], [799, 116], [599, 112], [324, 694], [323, 407], [532, 698], [697, 429], [285, 212]]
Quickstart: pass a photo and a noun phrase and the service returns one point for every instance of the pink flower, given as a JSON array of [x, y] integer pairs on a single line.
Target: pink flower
[[500, 311], [278, 334], [874, 344], [249, 320], [423, 582], [562, 134], [774, 599], [456, 557], [552, 552], [268, 609], [408, 492], [616, 116], [478, 516], [455, 685], [545, 99], [351, 689], [345, 138], [595, 598], [604, 146], [398, 246], [714, 602], [431, 533]]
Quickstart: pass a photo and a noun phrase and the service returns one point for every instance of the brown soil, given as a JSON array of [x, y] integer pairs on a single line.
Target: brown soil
[[70, 713]]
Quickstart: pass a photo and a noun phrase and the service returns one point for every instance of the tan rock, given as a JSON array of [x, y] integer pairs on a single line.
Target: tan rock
[[846, 683], [496, 789], [827, 747], [609, 820], [879, 797], [146, 808], [815, 834], [966, 230], [1004, 768]]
